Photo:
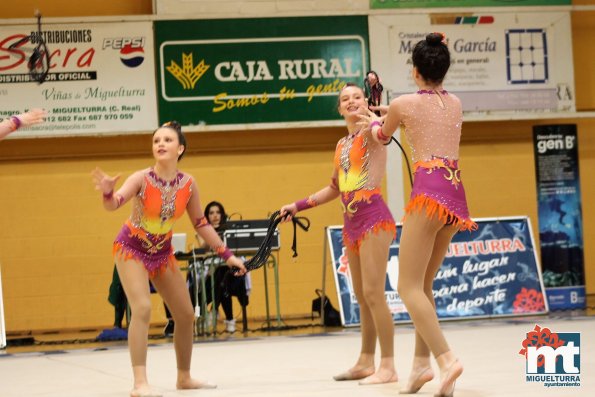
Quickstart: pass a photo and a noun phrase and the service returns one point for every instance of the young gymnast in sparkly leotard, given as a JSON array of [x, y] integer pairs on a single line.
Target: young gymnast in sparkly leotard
[[369, 228], [143, 251], [432, 119]]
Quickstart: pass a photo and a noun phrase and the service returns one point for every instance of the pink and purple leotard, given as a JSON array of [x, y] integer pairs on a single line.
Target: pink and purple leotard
[[359, 167], [433, 129], [157, 204]]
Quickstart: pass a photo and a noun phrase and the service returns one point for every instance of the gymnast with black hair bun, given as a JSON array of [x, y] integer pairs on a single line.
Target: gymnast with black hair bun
[[432, 119]]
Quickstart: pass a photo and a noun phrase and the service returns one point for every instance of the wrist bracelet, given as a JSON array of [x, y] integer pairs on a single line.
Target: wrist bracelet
[[16, 121], [375, 123], [108, 196], [223, 252], [304, 204], [381, 136]]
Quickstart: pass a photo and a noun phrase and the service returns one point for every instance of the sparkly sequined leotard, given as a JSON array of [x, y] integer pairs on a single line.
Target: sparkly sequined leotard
[[360, 163], [157, 204], [433, 124]]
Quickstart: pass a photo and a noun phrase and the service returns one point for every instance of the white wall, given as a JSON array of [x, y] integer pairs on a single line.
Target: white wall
[[260, 8]]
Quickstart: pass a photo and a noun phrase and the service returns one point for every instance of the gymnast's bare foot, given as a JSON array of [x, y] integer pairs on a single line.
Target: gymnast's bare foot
[[355, 373], [144, 390], [381, 376], [419, 376], [448, 377], [385, 373], [185, 382]]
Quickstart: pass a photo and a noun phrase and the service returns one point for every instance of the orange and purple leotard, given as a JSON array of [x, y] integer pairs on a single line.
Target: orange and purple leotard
[[359, 166], [360, 163], [157, 204]]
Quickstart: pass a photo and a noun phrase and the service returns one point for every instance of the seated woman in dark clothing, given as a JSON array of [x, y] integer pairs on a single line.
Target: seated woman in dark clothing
[[225, 287]]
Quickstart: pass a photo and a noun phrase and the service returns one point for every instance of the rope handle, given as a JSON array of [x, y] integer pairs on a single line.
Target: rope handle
[[264, 251]]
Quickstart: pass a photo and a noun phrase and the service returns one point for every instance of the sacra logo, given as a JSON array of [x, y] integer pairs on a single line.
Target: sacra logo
[[552, 358]]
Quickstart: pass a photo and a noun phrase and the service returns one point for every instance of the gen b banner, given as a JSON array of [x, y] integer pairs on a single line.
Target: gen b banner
[[560, 215]]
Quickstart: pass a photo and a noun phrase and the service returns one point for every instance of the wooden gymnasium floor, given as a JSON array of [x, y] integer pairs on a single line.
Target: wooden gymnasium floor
[[294, 363]]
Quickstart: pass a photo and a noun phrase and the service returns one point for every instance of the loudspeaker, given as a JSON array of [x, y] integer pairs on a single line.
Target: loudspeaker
[[248, 235]]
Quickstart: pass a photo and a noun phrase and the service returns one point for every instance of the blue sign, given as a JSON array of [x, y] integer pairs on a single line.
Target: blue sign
[[560, 215], [490, 272]]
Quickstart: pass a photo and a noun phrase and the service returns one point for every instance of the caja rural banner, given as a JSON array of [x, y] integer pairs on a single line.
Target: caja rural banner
[[499, 61], [374, 4], [490, 272], [101, 78], [257, 70]]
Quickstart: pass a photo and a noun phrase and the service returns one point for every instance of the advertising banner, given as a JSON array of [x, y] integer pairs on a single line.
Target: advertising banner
[[500, 62], [560, 215], [490, 272], [101, 77], [375, 4], [257, 70]]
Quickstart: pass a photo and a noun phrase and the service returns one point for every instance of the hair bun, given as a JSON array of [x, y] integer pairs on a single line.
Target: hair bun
[[174, 125], [435, 39]]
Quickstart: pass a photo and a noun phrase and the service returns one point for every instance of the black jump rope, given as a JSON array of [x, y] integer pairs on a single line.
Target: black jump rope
[[264, 251]]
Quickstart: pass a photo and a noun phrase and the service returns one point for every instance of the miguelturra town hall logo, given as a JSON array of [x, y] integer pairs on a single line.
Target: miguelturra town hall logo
[[553, 358]]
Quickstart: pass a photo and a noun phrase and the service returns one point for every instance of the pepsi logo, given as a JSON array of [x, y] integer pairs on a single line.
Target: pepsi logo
[[132, 56]]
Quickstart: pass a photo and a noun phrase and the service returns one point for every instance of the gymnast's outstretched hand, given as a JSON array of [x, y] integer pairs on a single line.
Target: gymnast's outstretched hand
[[369, 117], [13, 123], [32, 117], [103, 182]]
